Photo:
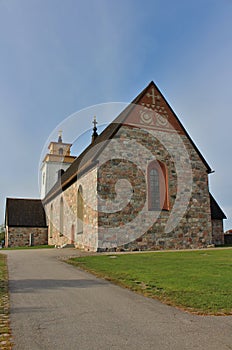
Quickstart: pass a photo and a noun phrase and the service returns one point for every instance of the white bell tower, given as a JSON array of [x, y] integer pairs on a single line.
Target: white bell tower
[[56, 160]]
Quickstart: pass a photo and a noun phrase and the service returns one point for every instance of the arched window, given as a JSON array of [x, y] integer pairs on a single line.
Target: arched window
[[157, 186], [51, 221], [80, 210], [61, 216], [60, 151]]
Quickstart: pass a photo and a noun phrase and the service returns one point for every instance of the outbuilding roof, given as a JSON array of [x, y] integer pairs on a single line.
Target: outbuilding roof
[[25, 212]]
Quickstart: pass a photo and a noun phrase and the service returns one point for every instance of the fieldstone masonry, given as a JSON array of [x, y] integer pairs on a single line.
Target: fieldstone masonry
[[194, 229], [20, 236], [217, 232], [88, 239]]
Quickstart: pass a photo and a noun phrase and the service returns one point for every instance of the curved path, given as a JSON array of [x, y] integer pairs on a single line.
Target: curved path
[[56, 306]]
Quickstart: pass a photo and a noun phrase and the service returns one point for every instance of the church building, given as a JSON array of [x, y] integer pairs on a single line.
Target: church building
[[142, 184]]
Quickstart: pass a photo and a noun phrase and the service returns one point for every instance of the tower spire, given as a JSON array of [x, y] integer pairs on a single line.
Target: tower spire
[[94, 134], [60, 136]]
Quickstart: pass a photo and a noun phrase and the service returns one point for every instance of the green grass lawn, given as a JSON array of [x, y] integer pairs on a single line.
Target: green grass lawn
[[198, 281], [5, 341]]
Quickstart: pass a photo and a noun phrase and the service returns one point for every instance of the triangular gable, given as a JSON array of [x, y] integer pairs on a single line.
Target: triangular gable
[[156, 113]]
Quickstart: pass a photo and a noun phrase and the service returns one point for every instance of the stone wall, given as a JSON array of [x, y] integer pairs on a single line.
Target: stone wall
[[52, 209], [217, 232], [119, 215], [88, 239], [20, 236], [187, 223]]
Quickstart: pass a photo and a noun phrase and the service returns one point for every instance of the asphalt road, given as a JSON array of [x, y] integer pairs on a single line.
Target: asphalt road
[[56, 306]]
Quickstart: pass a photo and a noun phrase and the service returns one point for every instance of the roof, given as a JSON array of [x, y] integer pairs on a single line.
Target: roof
[[25, 212], [88, 158], [216, 212]]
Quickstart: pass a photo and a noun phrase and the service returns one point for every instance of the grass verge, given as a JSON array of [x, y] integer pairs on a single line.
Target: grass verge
[[197, 281], [5, 334], [31, 247]]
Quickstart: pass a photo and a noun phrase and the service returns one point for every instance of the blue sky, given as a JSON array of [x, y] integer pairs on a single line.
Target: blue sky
[[58, 57]]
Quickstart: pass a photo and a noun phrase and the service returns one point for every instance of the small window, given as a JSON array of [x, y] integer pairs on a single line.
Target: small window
[[61, 151]]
